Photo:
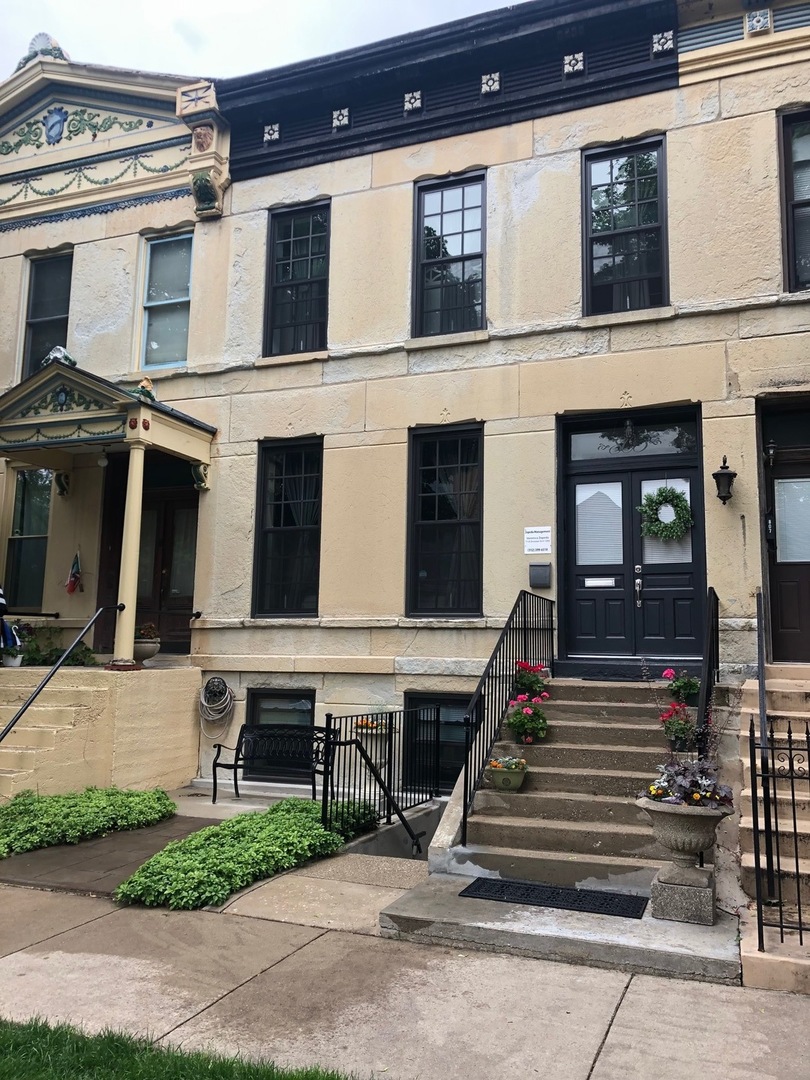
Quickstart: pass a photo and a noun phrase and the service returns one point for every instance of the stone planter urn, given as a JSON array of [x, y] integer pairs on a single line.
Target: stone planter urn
[[684, 831], [145, 649], [506, 779], [375, 743], [12, 661]]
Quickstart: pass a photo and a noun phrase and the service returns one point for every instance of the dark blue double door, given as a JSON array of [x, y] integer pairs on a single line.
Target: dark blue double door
[[630, 595]]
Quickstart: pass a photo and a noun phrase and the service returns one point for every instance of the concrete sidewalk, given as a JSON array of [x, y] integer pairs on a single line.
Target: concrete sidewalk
[[305, 995]]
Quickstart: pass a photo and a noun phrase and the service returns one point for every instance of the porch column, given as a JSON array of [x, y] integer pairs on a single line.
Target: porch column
[[130, 553]]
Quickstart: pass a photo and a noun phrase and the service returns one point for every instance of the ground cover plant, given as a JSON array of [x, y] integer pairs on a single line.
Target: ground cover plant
[[30, 821], [210, 865], [36, 1051]]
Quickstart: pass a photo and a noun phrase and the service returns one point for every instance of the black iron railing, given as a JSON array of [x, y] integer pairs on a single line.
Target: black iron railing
[[21, 711], [780, 770], [387, 760], [710, 671], [528, 635]]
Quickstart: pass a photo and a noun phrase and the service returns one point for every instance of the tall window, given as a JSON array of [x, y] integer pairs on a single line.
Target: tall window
[[625, 230], [28, 543], [445, 522], [288, 528], [298, 290], [48, 304], [797, 201], [450, 260], [167, 301]]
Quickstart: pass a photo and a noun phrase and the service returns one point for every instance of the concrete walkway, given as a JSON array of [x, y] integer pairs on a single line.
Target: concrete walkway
[[278, 974]]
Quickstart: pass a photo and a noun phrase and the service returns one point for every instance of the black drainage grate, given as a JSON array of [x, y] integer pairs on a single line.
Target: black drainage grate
[[592, 901]]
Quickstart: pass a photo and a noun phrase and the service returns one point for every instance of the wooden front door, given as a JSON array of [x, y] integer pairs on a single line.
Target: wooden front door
[[788, 536], [166, 566]]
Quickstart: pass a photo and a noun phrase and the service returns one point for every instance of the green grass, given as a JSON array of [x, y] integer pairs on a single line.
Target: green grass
[[36, 1051], [30, 821], [212, 864]]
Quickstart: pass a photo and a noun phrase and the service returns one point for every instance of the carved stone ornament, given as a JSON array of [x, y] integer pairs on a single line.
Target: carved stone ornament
[[340, 118], [207, 189], [199, 474], [663, 43], [574, 64], [412, 101], [203, 138], [61, 481], [491, 84], [758, 22], [272, 133], [199, 97]]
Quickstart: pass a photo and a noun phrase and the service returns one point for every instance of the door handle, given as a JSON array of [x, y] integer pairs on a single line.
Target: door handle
[[638, 592]]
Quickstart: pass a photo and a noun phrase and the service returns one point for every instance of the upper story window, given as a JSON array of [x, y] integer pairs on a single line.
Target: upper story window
[[449, 293], [167, 300], [796, 144], [288, 528], [48, 303], [298, 289], [445, 535], [625, 230]]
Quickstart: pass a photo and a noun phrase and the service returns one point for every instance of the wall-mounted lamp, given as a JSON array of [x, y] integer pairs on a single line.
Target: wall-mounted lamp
[[724, 478], [770, 453], [103, 460]]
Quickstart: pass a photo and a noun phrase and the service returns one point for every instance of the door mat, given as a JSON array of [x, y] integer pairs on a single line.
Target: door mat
[[592, 901]]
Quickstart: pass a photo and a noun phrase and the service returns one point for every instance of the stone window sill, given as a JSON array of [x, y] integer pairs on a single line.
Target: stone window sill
[[439, 341], [291, 358], [619, 318]]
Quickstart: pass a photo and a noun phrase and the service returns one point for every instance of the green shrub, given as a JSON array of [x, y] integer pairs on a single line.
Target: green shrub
[[351, 819], [30, 821], [210, 865]]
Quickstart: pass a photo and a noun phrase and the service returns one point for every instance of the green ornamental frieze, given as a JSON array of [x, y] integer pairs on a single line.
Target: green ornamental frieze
[[58, 123], [63, 399]]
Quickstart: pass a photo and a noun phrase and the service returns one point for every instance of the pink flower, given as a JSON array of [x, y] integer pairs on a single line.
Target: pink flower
[[528, 712], [544, 696], [668, 674], [523, 697], [512, 703], [537, 700]]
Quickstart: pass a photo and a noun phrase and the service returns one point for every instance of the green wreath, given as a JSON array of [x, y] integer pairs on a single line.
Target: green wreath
[[651, 524]]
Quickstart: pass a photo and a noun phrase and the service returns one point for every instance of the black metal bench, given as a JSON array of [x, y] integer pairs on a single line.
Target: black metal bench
[[288, 742]]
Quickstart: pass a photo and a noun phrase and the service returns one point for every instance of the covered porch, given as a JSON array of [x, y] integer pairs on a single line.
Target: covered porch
[[112, 476]]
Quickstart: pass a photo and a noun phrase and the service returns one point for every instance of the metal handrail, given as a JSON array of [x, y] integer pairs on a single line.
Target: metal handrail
[[765, 768], [710, 670], [55, 668], [530, 639]]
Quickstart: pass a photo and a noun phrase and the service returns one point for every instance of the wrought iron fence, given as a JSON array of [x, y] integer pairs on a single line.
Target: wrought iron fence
[[528, 635], [387, 761]]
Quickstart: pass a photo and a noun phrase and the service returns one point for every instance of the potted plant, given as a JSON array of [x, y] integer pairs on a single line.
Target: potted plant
[[147, 642], [685, 805], [683, 686], [679, 727], [14, 638], [529, 678], [372, 730], [526, 718], [506, 773]]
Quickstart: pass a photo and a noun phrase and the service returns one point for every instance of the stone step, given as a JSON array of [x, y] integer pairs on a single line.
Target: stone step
[[602, 712], [570, 837], [17, 758], [591, 871], [784, 965], [565, 805], [49, 715], [783, 802], [618, 782], [8, 785], [780, 720], [788, 878], [586, 730], [586, 756], [640, 693], [39, 736], [790, 840]]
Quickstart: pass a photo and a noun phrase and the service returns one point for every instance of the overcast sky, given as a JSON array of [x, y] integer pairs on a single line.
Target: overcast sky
[[214, 37]]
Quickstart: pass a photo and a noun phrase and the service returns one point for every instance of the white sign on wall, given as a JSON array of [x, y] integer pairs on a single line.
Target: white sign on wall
[[537, 540]]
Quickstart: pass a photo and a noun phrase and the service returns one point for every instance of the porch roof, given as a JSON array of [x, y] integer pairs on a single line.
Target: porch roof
[[61, 411]]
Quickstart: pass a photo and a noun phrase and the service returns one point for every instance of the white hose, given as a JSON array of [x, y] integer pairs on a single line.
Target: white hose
[[218, 712]]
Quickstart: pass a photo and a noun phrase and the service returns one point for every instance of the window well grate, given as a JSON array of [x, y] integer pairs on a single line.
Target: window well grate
[[591, 901]]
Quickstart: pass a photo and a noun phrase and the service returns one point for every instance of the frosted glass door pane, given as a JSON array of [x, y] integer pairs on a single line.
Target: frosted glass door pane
[[181, 580], [655, 550], [792, 505], [599, 525]]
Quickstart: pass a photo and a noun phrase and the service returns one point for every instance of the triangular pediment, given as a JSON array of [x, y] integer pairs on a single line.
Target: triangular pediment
[[60, 391]]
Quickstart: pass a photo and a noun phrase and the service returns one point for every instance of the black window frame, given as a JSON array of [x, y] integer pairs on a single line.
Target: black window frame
[[421, 189], [589, 157], [417, 438], [265, 448], [276, 217], [419, 699], [284, 770], [28, 362], [789, 204]]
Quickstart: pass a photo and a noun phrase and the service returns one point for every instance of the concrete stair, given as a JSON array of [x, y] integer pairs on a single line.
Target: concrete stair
[[575, 821]]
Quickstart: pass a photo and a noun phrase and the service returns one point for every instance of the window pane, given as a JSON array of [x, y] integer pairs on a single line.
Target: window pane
[[49, 294], [28, 545], [599, 524], [169, 270], [801, 244], [40, 339], [792, 510], [32, 502], [450, 292], [634, 440], [166, 334], [298, 308], [655, 550]]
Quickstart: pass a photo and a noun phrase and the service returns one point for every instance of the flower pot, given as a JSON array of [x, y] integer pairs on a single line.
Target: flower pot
[[684, 831], [12, 661], [681, 746], [505, 779], [691, 700], [145, 649]]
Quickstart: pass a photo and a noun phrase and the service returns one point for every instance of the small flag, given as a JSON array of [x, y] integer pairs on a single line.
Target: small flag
[[74, 580]]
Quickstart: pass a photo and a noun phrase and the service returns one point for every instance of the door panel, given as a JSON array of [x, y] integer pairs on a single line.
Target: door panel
[[789, 562], [166, 566]]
